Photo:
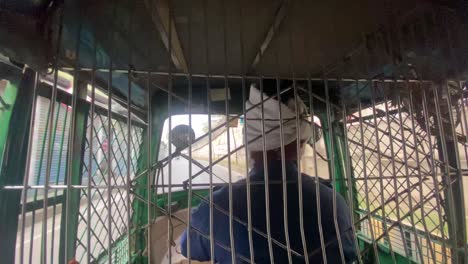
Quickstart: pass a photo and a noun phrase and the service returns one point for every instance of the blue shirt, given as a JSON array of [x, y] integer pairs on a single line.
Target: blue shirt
[[200, 244]]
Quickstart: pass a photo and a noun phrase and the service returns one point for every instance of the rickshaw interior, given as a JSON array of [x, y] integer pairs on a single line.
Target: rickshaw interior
[[91, 91]]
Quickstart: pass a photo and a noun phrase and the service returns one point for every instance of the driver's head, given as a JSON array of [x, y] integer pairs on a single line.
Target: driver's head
[[263, 125]]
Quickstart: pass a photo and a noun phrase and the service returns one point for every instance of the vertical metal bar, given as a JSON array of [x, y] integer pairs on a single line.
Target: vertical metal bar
[[57, 175], [231, 214], [169, 112], [389, 40], [405, 157], [421, 197], [350, 177], [210, 171], [420, 76], [91, 154], [314, 150], [71, 151], [48, 169], [366, 186], [189, 203], [458, 194], [129, 161], [109, 150], [394, 173], [379, 164], [371, 227], [283, 172], [162, 176], [228, 134], [149, 161], [130, 141], [210, 159], [265, 173], [247, 178], [71, 136], [446, 167], [434, 177], [298, 157], [299, 175], [43, 143], [27, 169], [317, 180], [464, 132], [332, 159], [109, 165]]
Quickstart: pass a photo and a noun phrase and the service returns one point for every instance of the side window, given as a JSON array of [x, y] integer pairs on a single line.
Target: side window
[[40, 150]]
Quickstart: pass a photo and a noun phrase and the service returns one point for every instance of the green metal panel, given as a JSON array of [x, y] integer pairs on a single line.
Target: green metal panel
[[349, 182], [340, 153], [72, 203], [338, 166], [140, 208], [384, 255], [14, 164], [454, 202], [9, 97]]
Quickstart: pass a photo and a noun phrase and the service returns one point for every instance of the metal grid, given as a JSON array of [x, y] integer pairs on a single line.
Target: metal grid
[[96, 222], [35, 197], [92, 229], [397, 174], [399, 191], [391, 159], [407, 139]]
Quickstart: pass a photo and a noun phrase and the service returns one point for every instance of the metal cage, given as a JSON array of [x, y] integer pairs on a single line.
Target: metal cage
[[91, 90]]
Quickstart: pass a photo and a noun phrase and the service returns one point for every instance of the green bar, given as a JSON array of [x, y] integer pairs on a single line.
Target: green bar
[[453, 202], [339, 164], [343, 154], [140, 209], [71, 205], [9, 96], [384, 255], [14, 164]]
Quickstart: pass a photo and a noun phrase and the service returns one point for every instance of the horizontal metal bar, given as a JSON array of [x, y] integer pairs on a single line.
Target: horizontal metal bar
[[234, 76], [408, 227], [37, 204], [66, 98], [58, 187], [62, 187]]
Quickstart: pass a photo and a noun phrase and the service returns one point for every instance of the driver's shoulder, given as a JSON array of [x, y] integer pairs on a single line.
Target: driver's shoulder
[[221, 195]]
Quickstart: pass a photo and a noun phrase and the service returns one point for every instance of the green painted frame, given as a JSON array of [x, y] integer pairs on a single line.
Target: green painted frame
[[13, 169]]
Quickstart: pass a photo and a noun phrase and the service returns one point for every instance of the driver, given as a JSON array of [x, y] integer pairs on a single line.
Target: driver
[[200, 221]]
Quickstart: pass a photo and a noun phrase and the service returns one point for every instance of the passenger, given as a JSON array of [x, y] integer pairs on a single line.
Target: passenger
[[200, 221]]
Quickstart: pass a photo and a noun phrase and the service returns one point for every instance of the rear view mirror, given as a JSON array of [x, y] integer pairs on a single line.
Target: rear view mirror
[[182, 136]]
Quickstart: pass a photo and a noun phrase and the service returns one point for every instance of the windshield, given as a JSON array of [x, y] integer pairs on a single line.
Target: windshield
[[221, 142]]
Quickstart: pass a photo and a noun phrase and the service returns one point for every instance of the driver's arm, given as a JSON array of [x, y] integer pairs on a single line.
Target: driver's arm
[[199, 245]]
